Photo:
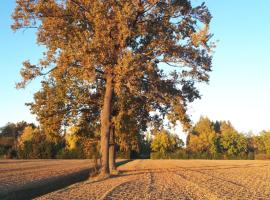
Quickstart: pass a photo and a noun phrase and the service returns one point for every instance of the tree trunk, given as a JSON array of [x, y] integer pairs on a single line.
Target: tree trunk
[[105, 126], [112, 151]]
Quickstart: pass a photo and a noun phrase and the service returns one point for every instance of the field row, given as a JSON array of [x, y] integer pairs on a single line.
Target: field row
[[177, 179]]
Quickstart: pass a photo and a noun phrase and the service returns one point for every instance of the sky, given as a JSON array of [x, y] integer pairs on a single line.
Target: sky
[[239, 83]]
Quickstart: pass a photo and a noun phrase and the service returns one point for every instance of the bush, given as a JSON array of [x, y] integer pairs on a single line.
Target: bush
[[12, 153], [4, 150], [262, 156], [34, 149], [178, 154], [157, 155], [123, 154], [184, 154], [251, 155], [25, 152], [70, 154]]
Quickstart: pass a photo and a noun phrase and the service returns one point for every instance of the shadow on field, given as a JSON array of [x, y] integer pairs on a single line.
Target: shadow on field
[[39, 188], [122, 162]]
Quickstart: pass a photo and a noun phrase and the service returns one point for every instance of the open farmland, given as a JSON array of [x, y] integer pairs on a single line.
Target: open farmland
[[177, 179], [29, 178], [145, 179]]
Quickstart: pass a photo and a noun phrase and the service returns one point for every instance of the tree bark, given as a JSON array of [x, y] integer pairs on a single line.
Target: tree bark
[[112, 153], [105, 126]]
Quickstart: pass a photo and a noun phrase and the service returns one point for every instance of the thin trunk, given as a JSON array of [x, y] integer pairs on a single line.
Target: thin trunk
[[112, 150], [105, 126]]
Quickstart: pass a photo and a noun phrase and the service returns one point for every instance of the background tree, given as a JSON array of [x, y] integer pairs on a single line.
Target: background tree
[[27, 135], [233, 144], [251, 145], [14, 129], [164, 142], [145, 141], [34, 144], [9, 136], [204, 139], [263, 142], [226, 126], [71, 138]]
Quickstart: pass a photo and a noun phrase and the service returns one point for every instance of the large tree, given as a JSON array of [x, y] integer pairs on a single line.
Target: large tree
[[122, 43], [58, 109]]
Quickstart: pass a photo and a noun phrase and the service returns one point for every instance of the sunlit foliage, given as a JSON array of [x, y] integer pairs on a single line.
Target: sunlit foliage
[[164, 142], [115, 47]]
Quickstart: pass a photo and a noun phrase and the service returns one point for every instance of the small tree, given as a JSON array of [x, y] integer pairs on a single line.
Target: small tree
[[27, 135], [34, 144], [263, 142], [203, 139], [233, 144], [164, 142]]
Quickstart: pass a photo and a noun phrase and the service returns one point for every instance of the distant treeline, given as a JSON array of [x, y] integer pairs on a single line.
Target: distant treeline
[[206, 140], [27, 141], [219, 140]]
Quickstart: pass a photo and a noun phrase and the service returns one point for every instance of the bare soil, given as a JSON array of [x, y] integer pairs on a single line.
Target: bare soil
[[24, 179], [177, 179]]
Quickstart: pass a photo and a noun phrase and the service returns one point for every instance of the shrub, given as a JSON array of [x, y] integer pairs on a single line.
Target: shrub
[[70, 154], [262, 156], [4, 150], [178, 154]]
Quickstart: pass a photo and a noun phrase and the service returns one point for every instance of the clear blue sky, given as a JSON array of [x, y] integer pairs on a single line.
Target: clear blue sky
[[239, 84]]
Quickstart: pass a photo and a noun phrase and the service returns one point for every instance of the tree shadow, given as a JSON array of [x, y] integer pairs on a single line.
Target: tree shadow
[[51, 184]]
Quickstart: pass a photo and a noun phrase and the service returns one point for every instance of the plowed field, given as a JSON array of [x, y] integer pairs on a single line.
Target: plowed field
[[24, 179], [177, 179]]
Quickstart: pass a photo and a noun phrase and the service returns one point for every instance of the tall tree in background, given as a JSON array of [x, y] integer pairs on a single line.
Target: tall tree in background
[[226, 126], [14, 129], [120, 43], [203, 138], [263, 142], [9, 135], [164, 142]]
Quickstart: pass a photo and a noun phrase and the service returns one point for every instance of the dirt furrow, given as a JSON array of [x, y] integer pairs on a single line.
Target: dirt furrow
[[177, 179], [188, 188], [132, 189], [217, 185]]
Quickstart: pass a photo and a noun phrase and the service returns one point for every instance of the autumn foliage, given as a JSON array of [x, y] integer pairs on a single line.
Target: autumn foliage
[[109, 64]]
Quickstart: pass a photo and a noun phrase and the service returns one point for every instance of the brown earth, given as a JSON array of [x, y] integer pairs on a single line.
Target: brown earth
[[24, 179], [177, 179]]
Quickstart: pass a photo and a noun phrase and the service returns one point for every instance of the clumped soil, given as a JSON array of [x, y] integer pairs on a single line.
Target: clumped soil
[[177, 179], [24, 179]]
